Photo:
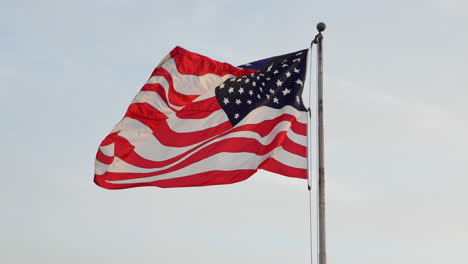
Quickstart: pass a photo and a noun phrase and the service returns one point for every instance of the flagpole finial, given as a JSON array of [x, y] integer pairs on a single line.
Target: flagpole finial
[[321, 26]]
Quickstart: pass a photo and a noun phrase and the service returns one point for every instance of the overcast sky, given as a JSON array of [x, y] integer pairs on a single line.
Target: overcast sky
[[396, 116]]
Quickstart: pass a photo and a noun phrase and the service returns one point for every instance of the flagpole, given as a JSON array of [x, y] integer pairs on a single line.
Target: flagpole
[[322, 250]]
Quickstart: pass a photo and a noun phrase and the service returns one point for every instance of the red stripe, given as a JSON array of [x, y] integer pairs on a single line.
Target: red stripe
[[121, 145], [299, 128], [125, 150], [264, 128], [277, 167], [294, 148], [157, 88], [109, 139], [175, 97], [200, 179], [101, 157], [168, 137], [195, 64], [145, 111], [231, 145], [129, 155], [200, 109]]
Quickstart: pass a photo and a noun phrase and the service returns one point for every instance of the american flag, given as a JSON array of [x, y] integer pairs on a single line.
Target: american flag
[[199, 122]]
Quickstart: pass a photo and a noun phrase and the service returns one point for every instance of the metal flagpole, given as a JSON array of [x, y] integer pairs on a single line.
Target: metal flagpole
[[309, 154], [322, 250]]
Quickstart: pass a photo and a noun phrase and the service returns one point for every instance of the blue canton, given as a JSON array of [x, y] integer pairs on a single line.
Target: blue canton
[[278, 82]]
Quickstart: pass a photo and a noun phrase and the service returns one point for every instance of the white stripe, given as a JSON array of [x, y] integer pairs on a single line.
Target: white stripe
[[221, 161], [189, 84], [165, 85], [179, 125], [148, 147], [154, 100], [263, 113], [296, 138], [208, 94], [160, 80], [108, 150], [100, 168], [258, 115], [146, 144], [290, 159], [166, 58], [131, 128], [212, 92]]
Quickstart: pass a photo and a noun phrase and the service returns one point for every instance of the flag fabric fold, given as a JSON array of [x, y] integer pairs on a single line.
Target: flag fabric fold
[[199, 122]]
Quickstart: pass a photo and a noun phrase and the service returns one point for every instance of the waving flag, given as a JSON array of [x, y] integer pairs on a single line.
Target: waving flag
[[199, 122]]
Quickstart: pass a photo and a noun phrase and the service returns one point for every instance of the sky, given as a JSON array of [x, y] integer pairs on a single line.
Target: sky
[[396, 120]]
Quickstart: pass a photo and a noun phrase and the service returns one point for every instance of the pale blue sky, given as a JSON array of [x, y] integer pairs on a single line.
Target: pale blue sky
[[396, 124]]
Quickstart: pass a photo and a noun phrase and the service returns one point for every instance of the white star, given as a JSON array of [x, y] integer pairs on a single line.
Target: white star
[[268, 96], [269, 68], [238, 80], [231, 90], [275, 72], [238, 102], [232, 79], [297, 54], [222, 85], [279, 83], [263, 84], [297, 99], [288, 74], [248, 64], [296, 70], [284, 65], [247, 80], [254, 83], [261, 89], [272, 91], [258, 77], [249, 102], [298, 59], [299, 82], [236, 116], [226, 101], [241, 90], [258, 96], [252, 74], [275, 100], [250, 92], [268, 78], [286, 91], [284, 61]]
